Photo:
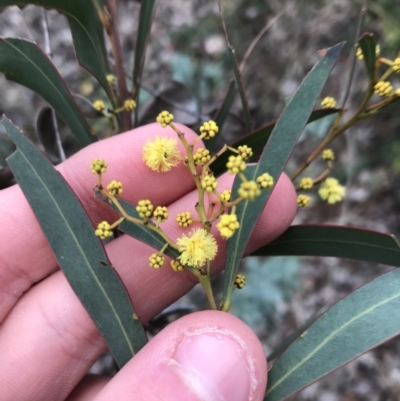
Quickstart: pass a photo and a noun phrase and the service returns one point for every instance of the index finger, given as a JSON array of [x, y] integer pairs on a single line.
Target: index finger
[[26, 257]]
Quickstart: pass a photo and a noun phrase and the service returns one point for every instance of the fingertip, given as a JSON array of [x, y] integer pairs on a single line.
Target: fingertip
[[123, 154], [205, 355]]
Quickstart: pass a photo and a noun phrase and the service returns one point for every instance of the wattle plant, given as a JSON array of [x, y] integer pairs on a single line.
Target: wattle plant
[[321, 346]]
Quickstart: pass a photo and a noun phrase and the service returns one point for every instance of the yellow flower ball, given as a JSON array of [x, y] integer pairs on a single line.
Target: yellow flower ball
[[161, 154], [331, 191], [197, 248]]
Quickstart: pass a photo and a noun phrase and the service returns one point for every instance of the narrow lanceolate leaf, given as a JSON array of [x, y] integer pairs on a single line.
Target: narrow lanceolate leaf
[[276, 153], [226, 105], [79, 252], [23, 62], [86, 29], [142, 233], [368, 48], [339, 241], [394, 102], [242, 92], [258, 139], [361, 321], [145, 19]]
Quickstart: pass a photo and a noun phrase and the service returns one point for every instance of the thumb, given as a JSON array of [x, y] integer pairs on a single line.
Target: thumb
[[207, 355]]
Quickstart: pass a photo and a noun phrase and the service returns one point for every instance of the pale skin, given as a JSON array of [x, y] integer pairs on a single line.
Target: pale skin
[[47, 340]]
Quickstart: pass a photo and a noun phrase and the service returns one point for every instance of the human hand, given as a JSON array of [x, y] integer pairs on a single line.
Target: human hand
[[47, 340]]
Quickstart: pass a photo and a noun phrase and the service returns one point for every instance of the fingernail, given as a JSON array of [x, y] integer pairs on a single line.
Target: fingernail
[[215, 366]]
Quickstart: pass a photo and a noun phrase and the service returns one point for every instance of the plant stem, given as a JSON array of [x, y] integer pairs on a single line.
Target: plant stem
[[47, 48], [206, 283], [116, 49], [336, 131]]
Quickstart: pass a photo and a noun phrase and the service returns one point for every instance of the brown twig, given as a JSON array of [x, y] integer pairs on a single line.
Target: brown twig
[[258, 37], [116, 49]]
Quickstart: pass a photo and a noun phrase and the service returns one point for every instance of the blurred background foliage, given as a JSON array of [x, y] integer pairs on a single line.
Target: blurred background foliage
[[187, 71]]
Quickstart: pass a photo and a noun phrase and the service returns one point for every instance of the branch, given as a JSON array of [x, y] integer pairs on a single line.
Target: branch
[[113, 34]]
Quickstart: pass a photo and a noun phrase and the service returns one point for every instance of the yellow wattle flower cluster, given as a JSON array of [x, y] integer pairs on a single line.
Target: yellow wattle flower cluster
[[99, 105], [208, 130], [383, 88], [265, 181], [161, 154], [177, 266], [225, 196], [145, 208], [245, 152], [396, 65], [240, 281], [201, 157], [129, 105], [235, 164], [98, 166], [303, 200], [249, 190], [156, 260], [165, 118], [103, 230], [331, 191], [306, 183], [227, 225], [209, 183], [328, 154], [114, 188], [111, 79], [161, 213], [328, 102], [184, 219], [197, 248]]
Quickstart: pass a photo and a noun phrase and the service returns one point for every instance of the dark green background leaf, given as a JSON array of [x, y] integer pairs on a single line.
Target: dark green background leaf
[[79, 252], [339, 241], [361, 321], [258, 139], [368, 47], [23, 62], [145, 19], [276, 153], [86, 29]]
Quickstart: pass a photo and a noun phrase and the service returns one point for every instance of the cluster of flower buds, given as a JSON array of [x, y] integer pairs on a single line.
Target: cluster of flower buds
[[329, 188], [215, 207], [383, 87]]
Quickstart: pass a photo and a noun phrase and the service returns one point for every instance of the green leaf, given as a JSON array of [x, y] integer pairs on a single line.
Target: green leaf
[[368, 48], [226, 106], [276, 153], [86, 29], [361, 321], [339, 241], [393, 103], [79, 252], [239, 84], [258, 139], [145, 19], [23, 62]]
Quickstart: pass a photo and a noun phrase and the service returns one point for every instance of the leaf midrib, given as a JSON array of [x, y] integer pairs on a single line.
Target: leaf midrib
[[328, 339], [88, 265]]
